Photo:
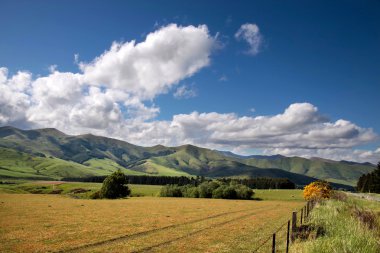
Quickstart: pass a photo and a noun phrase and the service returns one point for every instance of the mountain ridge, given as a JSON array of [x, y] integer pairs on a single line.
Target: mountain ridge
[[104, 155]]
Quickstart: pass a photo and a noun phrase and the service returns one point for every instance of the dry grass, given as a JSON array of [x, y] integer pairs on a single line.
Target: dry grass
[[48, 223]]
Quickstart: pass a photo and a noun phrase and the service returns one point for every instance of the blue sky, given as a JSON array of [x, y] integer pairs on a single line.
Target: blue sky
[[320, 54]]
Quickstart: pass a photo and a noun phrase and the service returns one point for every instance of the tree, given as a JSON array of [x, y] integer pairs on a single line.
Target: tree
[[206, 189], [115, 186], [171, 191], [370, 182], [317, 190]]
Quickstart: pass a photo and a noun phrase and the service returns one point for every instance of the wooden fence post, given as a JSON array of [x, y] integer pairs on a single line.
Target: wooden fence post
[[301, 215], [274, 243], [294, 225], [287, 238]]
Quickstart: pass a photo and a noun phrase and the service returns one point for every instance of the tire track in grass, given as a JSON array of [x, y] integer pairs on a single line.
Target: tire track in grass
[[136, 235], [196, 232]]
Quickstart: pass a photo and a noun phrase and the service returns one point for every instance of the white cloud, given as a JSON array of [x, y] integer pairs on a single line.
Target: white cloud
[[251, 34], [14, 98], [112, 88], [151, 67], [300, 130], [347, 154], [185, 92]]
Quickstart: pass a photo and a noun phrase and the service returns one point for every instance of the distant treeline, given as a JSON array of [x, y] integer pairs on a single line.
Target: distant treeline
[[254, 183], [215, 189], [263, 182], [151, 180], [370, 182]]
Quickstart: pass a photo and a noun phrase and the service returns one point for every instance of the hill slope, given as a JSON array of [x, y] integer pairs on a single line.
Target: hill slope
[[85, 155], [333, 171]]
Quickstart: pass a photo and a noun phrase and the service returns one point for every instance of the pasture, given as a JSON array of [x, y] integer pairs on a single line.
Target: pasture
[[53, 223], [70, 188]]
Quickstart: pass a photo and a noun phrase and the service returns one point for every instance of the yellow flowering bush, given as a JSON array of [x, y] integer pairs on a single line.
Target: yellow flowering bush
[[317, 190]]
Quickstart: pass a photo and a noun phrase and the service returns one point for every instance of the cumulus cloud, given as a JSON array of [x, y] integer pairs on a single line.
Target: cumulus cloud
[[151, 67], [250, 33], [111, 89], [338, 154], [300, 130], [14, 98]]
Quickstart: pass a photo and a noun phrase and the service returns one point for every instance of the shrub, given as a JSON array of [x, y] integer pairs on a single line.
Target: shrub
[[206, 189], [218, 193], [189, 191], [317, 190], [243, 192], [171, 190], [95, 195], [115, 186], [212, 189]]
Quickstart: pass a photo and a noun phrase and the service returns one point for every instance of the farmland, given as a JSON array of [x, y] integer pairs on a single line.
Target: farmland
[[47, 222]]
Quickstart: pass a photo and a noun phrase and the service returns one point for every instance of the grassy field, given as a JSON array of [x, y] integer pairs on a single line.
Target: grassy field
[[71, 188], [49, 223]]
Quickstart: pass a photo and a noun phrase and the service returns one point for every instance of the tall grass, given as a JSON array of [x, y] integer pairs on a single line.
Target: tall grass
[[343, 230]]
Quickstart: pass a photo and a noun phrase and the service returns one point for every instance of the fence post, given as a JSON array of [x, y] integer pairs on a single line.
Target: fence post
[[294, 225], [307, 208], [274, 243], [301, 215], [287, 238]]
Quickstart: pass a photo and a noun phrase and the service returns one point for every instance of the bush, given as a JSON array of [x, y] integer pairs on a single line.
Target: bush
[[95, 195], [115, 186], [189, 191], [171, 191], [243, 192], [206, 189], [213, 189], [317, 190]]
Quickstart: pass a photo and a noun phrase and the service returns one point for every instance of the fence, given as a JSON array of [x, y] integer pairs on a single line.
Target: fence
[[286, 233]]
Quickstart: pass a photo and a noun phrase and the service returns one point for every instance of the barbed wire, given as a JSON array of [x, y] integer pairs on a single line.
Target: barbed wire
[[270, 237], [303, 209]]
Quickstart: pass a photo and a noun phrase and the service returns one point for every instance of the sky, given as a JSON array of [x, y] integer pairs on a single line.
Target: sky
[[297, 78]]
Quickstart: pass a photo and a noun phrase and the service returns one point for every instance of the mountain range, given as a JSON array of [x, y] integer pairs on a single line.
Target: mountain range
[[47, 154]]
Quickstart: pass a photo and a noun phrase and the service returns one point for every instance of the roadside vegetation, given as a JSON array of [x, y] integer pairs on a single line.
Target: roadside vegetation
[[338, 223]]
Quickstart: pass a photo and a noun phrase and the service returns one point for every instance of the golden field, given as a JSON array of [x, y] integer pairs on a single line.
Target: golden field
[[57, 223]]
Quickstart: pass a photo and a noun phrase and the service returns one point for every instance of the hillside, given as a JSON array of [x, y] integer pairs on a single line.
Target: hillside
[[333, 171], [49, 153]]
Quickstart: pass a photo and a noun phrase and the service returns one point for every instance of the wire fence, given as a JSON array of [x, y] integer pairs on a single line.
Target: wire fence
[[285, 234]]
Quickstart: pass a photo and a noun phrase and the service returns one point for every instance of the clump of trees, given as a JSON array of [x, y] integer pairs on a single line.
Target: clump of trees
[[370, 182], [114, 186], [209, 189], [317, 190], [254, 183]]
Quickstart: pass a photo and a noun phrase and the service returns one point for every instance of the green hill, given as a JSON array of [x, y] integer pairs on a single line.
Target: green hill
[[333, 171], [51, 154]]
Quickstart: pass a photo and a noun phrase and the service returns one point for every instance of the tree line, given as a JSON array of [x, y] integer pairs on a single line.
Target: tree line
[[254, 183], [210, 189], [370, 182]]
